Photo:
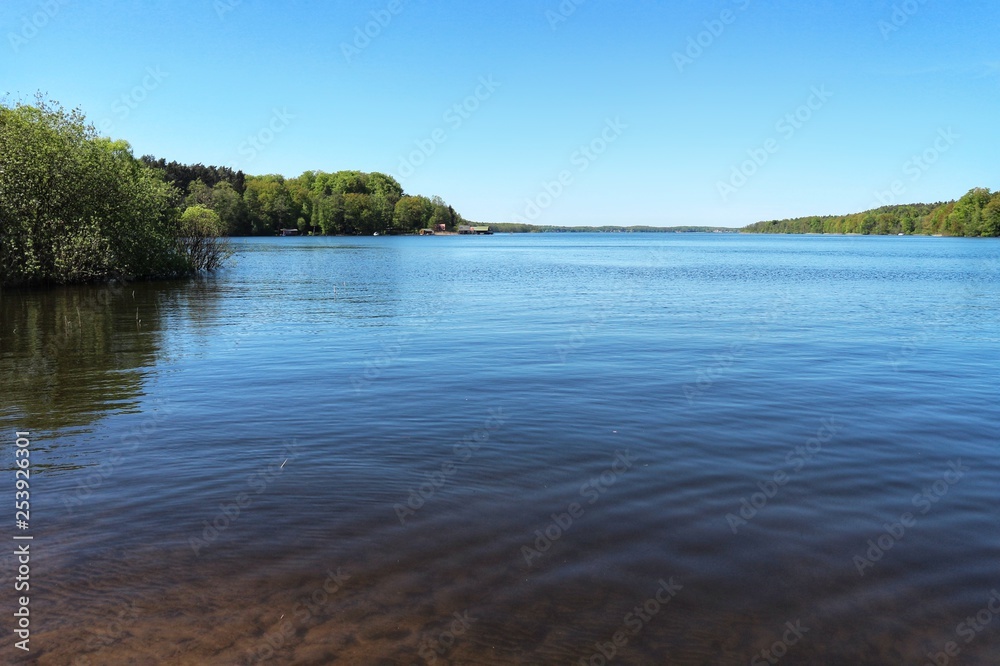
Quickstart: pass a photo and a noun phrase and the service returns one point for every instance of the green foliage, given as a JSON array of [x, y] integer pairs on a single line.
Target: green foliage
[[78, 207], [328, 213], [975, 214], [269, 205], [991, 217], [442, 215], [229, 205], [413, 213], [224, 200], [966, 218], [200, 239], [200, 221], [344, 202], [383, 186], [182, 175], [359, 215]]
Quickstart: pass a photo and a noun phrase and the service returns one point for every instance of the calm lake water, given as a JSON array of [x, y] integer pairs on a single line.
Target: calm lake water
[[712, 449]]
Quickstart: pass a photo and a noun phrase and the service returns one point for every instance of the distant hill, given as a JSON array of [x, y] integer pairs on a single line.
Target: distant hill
[[976, 214], [516, 228]]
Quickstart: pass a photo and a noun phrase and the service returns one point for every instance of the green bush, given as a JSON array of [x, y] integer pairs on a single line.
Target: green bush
[[77, 207], [200, 241]]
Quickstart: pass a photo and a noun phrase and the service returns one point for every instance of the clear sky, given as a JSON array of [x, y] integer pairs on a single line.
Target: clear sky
[[682, 107]]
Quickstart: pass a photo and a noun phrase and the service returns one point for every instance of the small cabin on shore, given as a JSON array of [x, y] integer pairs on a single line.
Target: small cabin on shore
[[476, 230], [289, 232]]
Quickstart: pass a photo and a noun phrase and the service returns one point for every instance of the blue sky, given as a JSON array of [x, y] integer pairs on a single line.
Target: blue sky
[[575, 112]]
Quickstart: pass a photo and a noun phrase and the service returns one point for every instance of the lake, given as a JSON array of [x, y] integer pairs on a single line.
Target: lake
[[517, 449]]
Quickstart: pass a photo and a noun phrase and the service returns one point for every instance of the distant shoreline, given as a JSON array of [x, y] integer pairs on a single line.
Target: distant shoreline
[[665, 230], [500, 229], [975, 215]]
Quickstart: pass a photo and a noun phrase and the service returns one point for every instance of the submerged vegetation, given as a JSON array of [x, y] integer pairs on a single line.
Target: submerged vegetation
[[976, 214]]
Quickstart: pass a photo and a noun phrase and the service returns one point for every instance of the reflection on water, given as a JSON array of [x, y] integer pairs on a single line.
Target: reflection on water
[[410, 450], [68, 355], [71, 355]]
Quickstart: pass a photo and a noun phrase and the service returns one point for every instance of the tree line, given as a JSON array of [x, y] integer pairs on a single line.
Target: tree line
[[79, 207], [977, 214], [316, 202]]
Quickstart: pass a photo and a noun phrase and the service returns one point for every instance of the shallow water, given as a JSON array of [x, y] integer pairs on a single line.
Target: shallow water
[[497, 450]]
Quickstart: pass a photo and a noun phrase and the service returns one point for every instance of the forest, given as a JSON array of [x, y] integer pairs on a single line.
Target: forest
[[76, 206], [316, 202], [977, 214], [79, 207]]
